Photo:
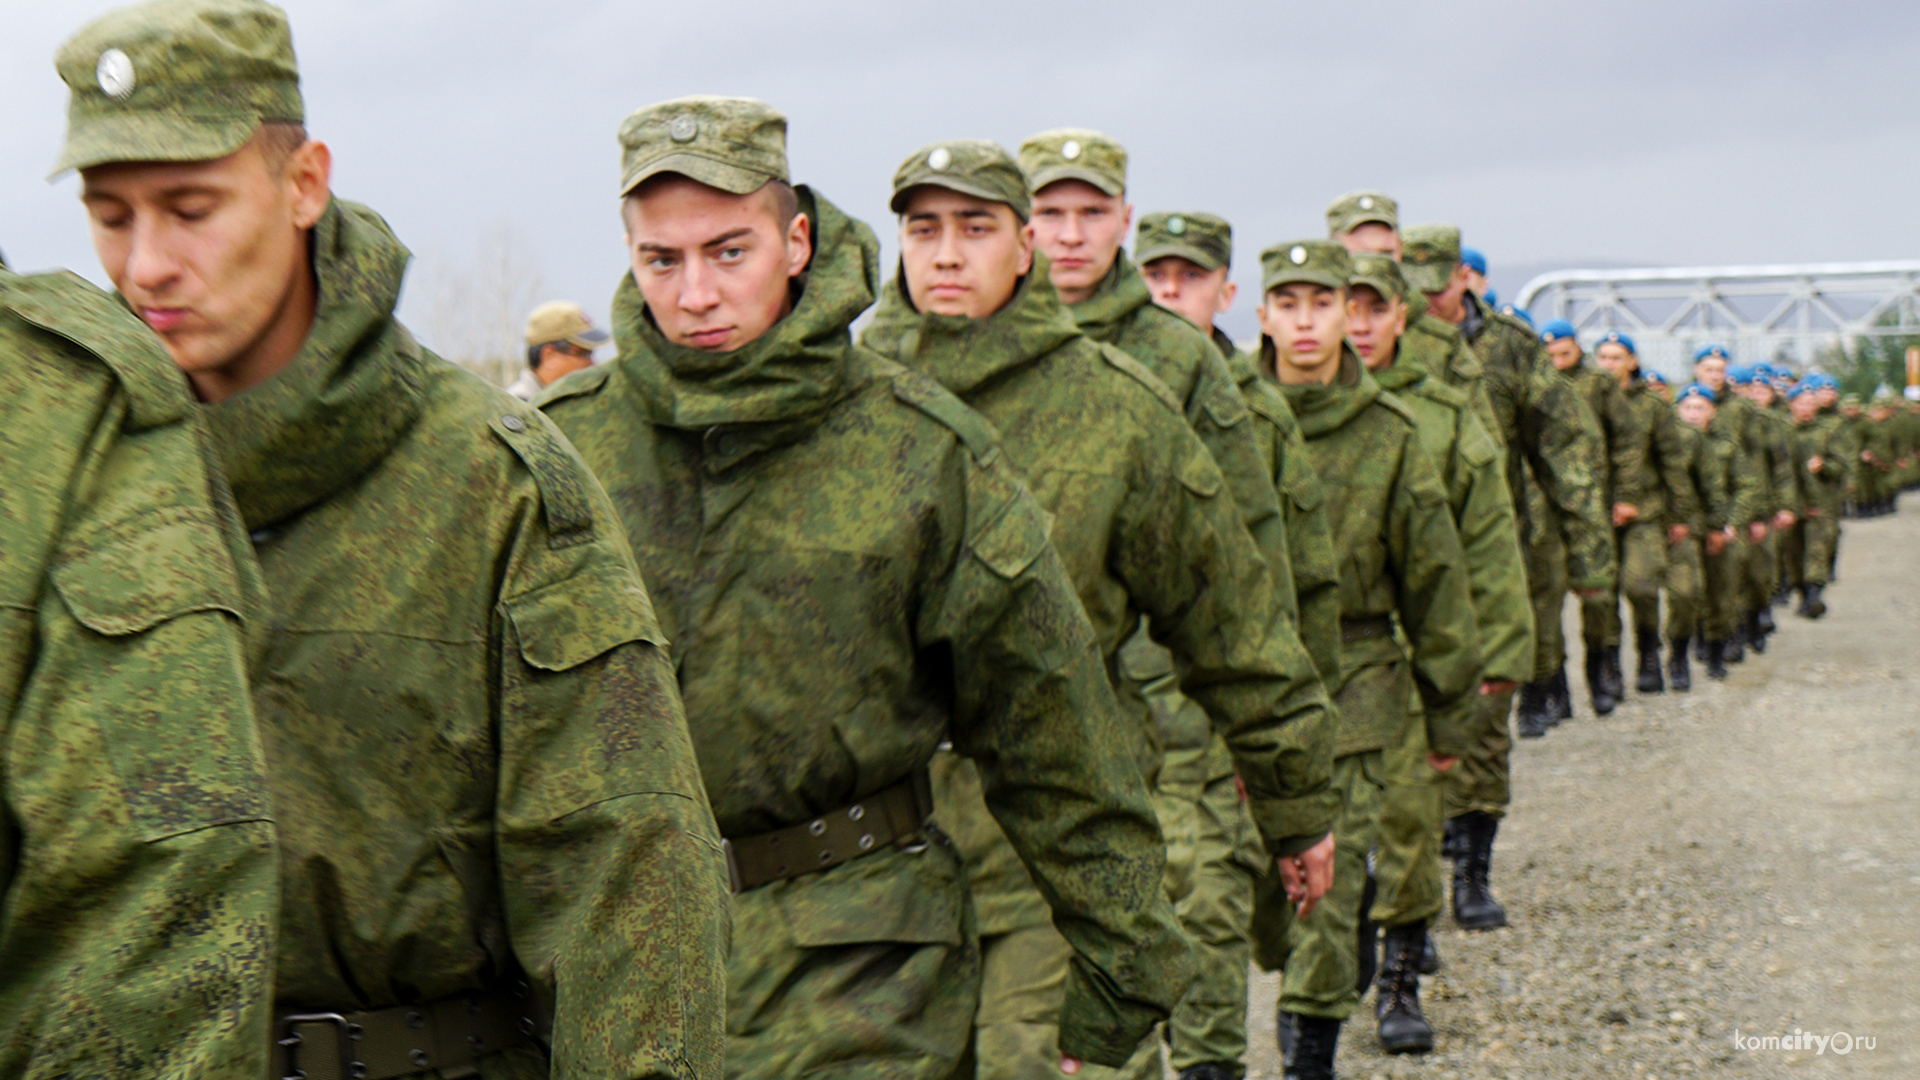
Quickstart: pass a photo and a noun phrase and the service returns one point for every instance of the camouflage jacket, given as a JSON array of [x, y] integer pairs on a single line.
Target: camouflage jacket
[[1824, 488], [479, 765], [1764, 437], [1744, 485], [137, 860], [1627, 478], [1708, 484], [1439, 347], [1664, 493], [1400, 554], [854, 574], [1473, 470], [1552, 440]]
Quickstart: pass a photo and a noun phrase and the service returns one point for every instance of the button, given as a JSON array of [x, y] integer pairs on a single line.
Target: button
[[1366, 202], [939, 159], [1298, 255], [513, 423], [115, 72], [1176, 225], [1070, 149], [683, 129]]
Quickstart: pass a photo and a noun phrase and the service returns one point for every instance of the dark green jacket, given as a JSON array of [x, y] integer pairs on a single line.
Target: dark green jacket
[[1745, 486], [854, 574], [1621, 432], [137, 859], [1401, 557], [1823, 489], [1663, 493], [480, 769], [1764, 436], [1711, 499]]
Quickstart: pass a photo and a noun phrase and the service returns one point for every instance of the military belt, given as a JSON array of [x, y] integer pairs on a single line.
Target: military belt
[[1365, 628], [450, 1035], [832, 838]]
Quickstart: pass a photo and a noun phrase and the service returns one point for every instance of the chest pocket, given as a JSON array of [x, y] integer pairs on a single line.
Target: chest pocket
[[182, 742], [565, 625]]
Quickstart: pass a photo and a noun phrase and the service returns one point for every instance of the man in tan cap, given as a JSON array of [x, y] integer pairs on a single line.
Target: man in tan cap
[[560, 341], [496, 852], [854, 575]]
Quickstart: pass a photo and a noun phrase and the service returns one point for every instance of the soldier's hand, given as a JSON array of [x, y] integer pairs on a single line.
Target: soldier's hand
[[1757, 531], [1677, 533], [1589, 594], [1784, 519], [1816, 463], [1308, 875], [1442, 762], [1070, 1065], [1717, 541], [1498, 686], [1625, 514]]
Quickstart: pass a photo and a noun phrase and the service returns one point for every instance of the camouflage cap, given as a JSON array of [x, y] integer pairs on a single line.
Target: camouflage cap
[[1380, 272], [176, 80], [1356, 208], [1316, 262], [973, 167], [1428, 254], [1849, 399], [734, 144], [1074, 154], [1201, 239]]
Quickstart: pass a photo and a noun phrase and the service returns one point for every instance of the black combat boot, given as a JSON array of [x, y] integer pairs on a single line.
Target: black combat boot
[[1315, 1038], [1559, 697], [1734, 649], [1647, 643], [1679, 676], [1208, 1070], [1429, 957], [1530, 717], [1403, 1030], [1610, 673], [1759, 625], [1784, 593], [1811, 604], [1603, 702], [1474, 907], [1716, 659]]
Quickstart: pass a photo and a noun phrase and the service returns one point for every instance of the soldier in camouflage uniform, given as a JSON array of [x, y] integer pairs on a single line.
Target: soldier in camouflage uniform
[[1879, 456], [1625, 483], [1144, 529], [1410, 884], [1185, 258], [1661, 508], [1820, 455], [1721, 564], [495, 851], [1767, 436], [1404, 573], [137, 861], [856, 575], [1692, 537]]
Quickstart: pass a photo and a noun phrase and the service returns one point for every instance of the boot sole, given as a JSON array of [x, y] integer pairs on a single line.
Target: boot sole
[[1481, 923], [1408, 1046]]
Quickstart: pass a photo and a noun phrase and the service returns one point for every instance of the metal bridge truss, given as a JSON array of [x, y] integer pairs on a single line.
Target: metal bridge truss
[[1758, 312]]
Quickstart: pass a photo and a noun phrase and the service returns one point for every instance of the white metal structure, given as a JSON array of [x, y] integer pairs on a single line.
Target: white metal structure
[[1758, 312]]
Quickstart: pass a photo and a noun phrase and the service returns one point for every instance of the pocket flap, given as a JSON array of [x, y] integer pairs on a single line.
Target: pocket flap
[[569, 623], [135, 577]]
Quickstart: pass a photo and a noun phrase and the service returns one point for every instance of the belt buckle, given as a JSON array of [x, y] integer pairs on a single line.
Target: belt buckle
[[289, 1042]]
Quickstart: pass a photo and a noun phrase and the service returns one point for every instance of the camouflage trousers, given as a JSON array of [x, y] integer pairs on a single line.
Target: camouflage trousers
[[1760, 572], [1545, 556], [1643, 562], [868, 970], [1409, 885], [1725, 590], [1686, 588], [1023, 982], [1481, 782], [1817, 537], [1222, 855]]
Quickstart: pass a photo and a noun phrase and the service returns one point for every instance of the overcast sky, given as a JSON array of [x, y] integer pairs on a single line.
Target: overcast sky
[[1640, 132]]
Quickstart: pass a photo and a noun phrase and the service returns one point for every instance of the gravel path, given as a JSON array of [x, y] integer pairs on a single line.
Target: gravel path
[[1742, 858]]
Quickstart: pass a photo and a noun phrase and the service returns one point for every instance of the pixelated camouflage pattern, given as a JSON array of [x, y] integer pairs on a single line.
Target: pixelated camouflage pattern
[[1356, 208], [1439, 346], [1205, 240], [205, 74], [1400, 553], [975, 167], [1663, 492], [731, 143], [1764, 439], [1625, 476], [854, 574], [479, 764], [1312, 261], [137, 861], [1074, 154]]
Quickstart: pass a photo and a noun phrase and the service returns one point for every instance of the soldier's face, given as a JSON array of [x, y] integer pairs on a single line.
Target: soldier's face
[[1476, 282], [1697, 411], [1372, 236], [1080, 228], [212, 255], [1826, 396], [1184, 286], [1374, 325], [1760, 392], [1306, 323], [713, 266], [962, 255], [1616, 361], [1805, 406], [1564, 352], [1711, 372]]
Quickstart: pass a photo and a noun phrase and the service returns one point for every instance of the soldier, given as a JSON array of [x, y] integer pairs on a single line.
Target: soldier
[[1624, 482], [856, 574], [1657, 383], [495, 850], [1476, 265], [1879, 456], [1820, 454], [1853, 421], [1403, 568], [560, 341], [137, 861], [1732, 489], [1767, 435], [1407, 860], [1662, 508], [1185, 259], [1690, 539], [1144, 530]]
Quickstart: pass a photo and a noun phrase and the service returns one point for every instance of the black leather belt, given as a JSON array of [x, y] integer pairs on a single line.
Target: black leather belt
[[450, 1035], [1365, 627], [867, 826]]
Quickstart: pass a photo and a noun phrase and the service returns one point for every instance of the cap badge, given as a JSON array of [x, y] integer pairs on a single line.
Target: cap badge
[[1177, 225], [939, 159], [683, 129], [115, 72], [1366, 202], [1070, 149], [1298, 255]]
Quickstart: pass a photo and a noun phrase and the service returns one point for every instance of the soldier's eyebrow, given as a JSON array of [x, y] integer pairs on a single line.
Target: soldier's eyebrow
[[730, 234]]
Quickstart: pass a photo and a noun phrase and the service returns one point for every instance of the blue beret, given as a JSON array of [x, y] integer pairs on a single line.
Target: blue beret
[[1493, 299], [1615, 337], [1705, 351], [1654, 376], [1520, 313], [1693, 389], [1555, 330], [1802, 387], [1474, 261], [1740, 376]]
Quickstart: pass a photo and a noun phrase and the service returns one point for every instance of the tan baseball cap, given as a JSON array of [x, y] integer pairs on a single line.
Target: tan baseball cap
[[734, 144], [1356, 208], [562, 320], [1074, 154], [176, 80]]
